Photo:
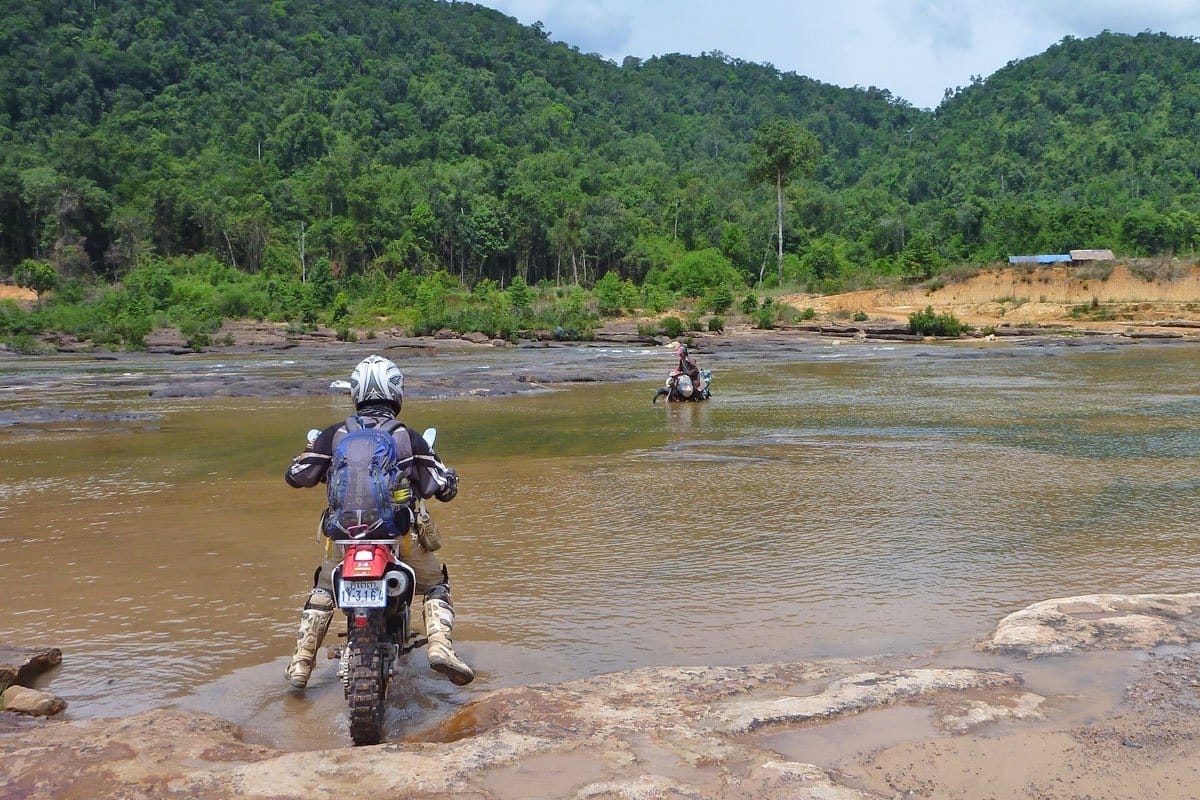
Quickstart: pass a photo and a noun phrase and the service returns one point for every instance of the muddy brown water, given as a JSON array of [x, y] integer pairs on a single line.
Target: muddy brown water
[[855, 501]]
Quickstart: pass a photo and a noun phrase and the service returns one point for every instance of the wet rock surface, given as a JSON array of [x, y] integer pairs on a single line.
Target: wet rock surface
[[31, 702], [1100, 621], [688, 732], [696, 732], [22, 666], [668, 732], [447, 365], [1147, 749]]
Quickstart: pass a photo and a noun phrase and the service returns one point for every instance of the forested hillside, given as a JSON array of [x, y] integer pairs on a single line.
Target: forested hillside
[[405, 133], [372, 144]]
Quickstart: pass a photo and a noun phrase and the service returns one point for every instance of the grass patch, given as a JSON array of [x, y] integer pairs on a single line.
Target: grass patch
[[1094, 311]]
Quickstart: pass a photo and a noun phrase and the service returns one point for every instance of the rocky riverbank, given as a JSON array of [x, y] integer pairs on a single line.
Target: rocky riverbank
[[20, 670], [452, 366], [716, 732]]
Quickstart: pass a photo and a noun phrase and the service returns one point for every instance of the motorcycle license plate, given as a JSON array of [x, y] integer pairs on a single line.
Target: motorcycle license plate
[[362, 594]]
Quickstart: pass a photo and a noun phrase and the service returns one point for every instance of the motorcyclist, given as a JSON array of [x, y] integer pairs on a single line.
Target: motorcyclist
[[377, 388], [687, 365]]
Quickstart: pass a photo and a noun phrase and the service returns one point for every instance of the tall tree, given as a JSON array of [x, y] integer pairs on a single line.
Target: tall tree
[[782, 150]]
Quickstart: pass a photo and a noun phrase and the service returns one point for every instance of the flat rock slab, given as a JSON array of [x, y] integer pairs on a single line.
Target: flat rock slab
[[1097, 622], [649, 733], [21, 666], [855, 694]]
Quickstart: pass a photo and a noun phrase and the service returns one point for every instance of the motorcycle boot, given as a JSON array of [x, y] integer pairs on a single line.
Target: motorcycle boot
[[314, 623], [439, 621]]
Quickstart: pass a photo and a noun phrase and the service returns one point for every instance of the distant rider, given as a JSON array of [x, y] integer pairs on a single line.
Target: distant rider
[[377, 387], [688, 366]]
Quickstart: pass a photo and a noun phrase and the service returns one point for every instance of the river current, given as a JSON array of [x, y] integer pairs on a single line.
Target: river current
[[849, 500]]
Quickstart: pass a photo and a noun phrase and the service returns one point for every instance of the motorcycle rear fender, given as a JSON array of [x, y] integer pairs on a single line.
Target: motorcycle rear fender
[[366, 561]]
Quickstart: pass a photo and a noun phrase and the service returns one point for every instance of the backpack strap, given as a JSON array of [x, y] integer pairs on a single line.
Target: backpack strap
[[404, 448], [354, 423]]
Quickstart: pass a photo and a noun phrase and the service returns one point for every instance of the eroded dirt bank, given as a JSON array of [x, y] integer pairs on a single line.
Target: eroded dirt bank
[[972, 730]]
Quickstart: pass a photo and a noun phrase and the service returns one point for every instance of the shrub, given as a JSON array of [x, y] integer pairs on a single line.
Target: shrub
[[716, 324], [927, 323], [1096, 271], [655, 298], [133, 329], [339, 308], [648, 329], [27, 345], [520, 295], [749, 304], [630, 298], [697, 271], [1159, 271], [808, 313], [197, 331], [344, 334], [860, 316], [719, 299], [764, 318], [672, 326], [608, 294], [693, 322]]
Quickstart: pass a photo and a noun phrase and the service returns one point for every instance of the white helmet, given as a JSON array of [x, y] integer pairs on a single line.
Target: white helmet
[[376, 378]]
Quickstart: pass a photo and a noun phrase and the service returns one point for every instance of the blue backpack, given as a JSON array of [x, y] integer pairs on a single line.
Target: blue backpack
[[364, 470]]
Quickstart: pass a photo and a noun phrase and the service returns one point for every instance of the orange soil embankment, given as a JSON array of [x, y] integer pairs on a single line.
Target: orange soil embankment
[[1021, 297]]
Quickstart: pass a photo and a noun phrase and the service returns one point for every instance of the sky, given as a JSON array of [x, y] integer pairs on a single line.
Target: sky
[[916, 49]]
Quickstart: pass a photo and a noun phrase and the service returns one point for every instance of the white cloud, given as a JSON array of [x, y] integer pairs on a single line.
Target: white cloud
[[1088, 17], [943, 21], [914, 48], [594, 26]]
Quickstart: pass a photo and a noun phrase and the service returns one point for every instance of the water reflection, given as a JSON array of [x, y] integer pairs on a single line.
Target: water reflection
[[870, 503]]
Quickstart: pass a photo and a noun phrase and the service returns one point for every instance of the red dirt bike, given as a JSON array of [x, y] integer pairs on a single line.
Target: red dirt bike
[[375, 589]]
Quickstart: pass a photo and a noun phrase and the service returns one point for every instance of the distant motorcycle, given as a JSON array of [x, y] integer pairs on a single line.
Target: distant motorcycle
[[680, 389]]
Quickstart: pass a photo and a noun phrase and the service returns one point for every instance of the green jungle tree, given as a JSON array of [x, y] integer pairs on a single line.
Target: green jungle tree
[[782, 150]]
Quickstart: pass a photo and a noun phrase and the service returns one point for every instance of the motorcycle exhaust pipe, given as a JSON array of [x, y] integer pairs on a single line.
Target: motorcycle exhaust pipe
[[396, 583]]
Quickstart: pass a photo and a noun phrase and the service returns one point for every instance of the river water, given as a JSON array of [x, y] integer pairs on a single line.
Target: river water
[[849, 500]]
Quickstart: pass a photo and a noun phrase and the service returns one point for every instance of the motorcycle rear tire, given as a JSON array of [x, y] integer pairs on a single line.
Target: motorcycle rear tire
[[366, 690]]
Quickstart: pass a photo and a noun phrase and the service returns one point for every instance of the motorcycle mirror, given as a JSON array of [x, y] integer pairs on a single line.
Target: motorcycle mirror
[[312, 436], [429, 435]]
